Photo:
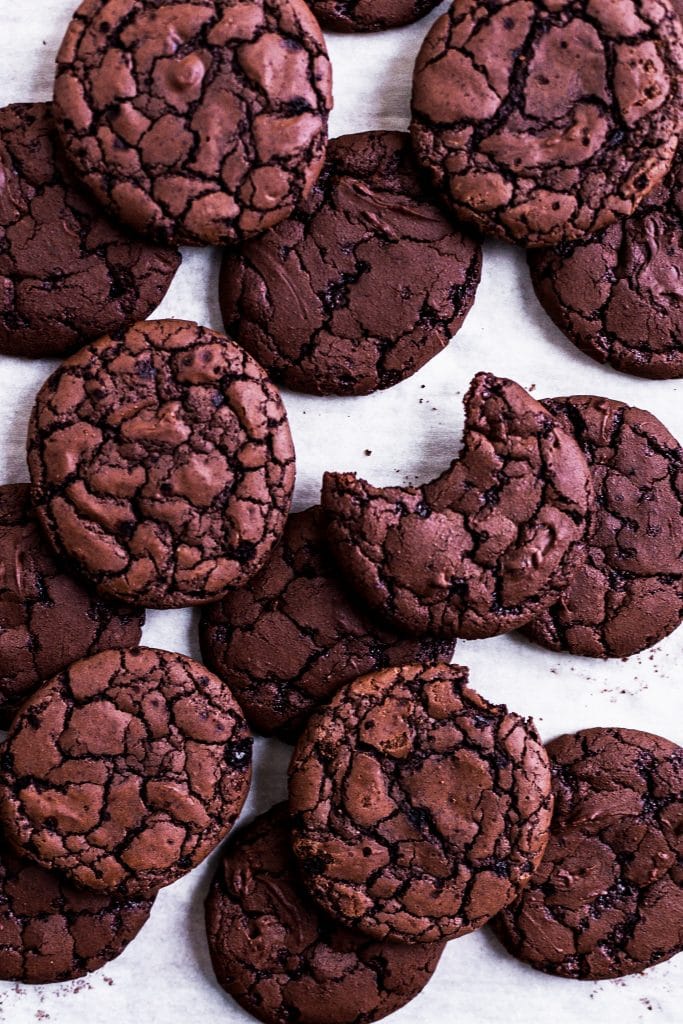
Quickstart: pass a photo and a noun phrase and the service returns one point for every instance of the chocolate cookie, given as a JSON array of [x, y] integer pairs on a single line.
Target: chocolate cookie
[[362, 286], [282, 959], [545, 122], [125, 771], [293, 636], [419, 809], [52, 931], [626, 591], [47, 619], [618, 296], [607, 899], [162, 464], [369, 15], [67, 274], [198, 122], [486, 546]]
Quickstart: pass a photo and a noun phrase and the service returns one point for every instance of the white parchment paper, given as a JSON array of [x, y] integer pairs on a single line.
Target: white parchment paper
[[412, 431]]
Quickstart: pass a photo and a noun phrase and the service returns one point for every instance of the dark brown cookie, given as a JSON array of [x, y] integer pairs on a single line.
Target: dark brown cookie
[[607, 899], [419, 809], [162, 464], [293, 636], [67, 274], [52, 931], [362, 286], [486, 546], [125, 771], [544, 122], [282, 959], [201, 121], [369, 15], [618, 296], [47, 619], [626, 591]]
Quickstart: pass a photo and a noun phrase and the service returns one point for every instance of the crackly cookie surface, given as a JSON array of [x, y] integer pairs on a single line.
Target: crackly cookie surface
[[47, 619], [162, 464], [607, 899], [618, 296], [294, 635], [125, 771], [282, 959], [544, 122], [419, 809], [369, 15], [67, 273], [482, 549], [202, 121], [363, 285], [52, 931], [626, 591]]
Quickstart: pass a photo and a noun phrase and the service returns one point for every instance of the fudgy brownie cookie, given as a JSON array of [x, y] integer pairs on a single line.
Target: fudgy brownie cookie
[[607, 899], [486, 546], [369, 15], [125, 771], [544, 122], [201, 121], [162, 464], [626, 590], [47, 619], [362, 285], [52, 931], [618, 296], [67, 273], [282, 959], [419, 809], [293, 636]]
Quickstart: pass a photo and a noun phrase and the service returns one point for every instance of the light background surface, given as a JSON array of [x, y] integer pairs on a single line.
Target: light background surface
[[413, 431]]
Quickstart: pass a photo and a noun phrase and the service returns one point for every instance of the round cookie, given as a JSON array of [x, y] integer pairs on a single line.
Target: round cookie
[[52, 931], [364, 284], [369, 15], [545, 122], [293, 636], [125, 771], [47, 619], [419, 809], [618, 296], [197, 123], [67, 273], [607, 899], [282, 959], [162, 464], [626, 591]]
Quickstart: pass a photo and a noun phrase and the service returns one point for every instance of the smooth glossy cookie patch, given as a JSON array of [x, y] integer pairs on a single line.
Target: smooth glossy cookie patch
[[369, 15]]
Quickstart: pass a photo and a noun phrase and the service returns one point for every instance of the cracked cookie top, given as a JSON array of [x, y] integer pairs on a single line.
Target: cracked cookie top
[[364, 284], [162, 464], [543, 122], [293, 635], [67, 273], [607, 899], [482, 549], [125, 771], [47, 619], [282, 959], [626, 590], [369, 15], [419, 809], [198, 122]]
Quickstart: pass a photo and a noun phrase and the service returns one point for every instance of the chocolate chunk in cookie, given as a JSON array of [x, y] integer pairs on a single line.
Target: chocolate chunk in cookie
[[369, 15], [282, 959], [198, 123], [293, 635], [362, 286], [125, 771], [162, 464], [607, 899], [545, 122], [419, 809], [486, 546], [626, 591]]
